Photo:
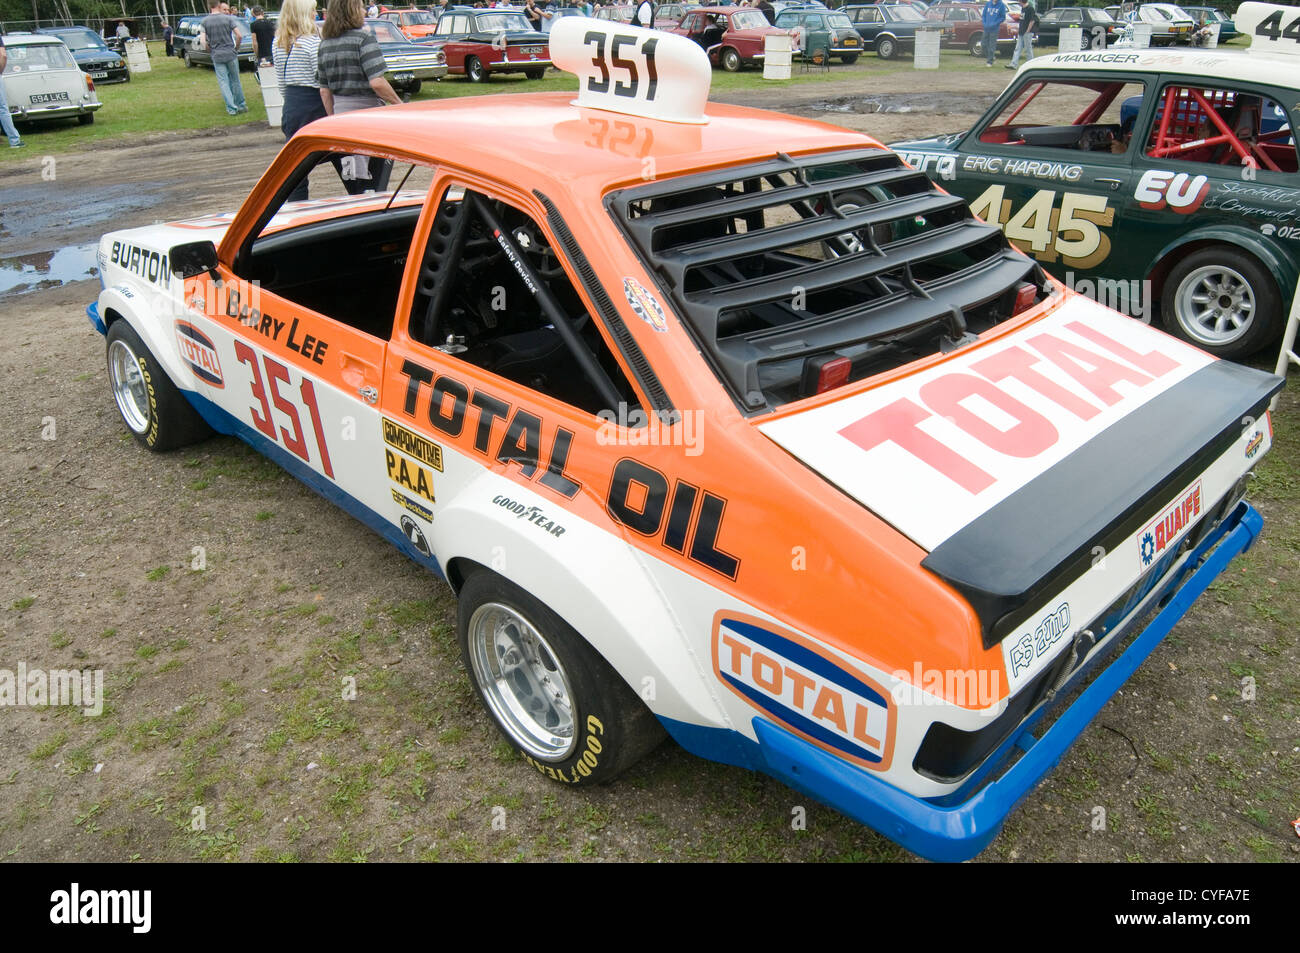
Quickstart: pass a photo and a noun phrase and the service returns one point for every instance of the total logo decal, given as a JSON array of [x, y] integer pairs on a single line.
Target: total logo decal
[[1179, 192], [799, 685], [1170, 524], [198, 351]]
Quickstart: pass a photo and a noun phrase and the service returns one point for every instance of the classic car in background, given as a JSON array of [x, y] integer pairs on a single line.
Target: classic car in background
[[43, 82], [92, 54]]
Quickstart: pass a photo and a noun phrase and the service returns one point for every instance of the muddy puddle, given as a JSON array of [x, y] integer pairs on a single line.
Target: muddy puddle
[[936, 102], [20, 274]]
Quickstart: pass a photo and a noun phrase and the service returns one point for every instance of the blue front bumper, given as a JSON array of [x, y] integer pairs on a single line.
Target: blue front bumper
[[968, 819]]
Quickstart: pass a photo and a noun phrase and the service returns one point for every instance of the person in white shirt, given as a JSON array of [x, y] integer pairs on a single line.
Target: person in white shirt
[[372, 10]]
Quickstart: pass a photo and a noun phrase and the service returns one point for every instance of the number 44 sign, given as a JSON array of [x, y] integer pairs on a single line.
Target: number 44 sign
[[632, 70], [1270, 26]]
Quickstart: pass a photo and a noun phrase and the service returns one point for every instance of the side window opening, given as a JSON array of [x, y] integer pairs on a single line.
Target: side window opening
[[343, 255], [493, 292], [1075, 114], [1222, 127]]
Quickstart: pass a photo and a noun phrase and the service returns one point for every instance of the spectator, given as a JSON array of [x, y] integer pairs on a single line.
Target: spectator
[[372, 10], [123, 31], [644, 15], [535, 15], [1025, 36], [350, 70], [220, 34], [168, 38], [765, 8], [6, 120], [295, 54], [263, 36], [991, 18]]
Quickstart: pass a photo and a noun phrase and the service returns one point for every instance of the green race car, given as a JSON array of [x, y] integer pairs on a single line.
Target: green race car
[[1150, 179]]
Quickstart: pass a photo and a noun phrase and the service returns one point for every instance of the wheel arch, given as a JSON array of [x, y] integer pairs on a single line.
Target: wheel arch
[[1283, 271], [594, 597]]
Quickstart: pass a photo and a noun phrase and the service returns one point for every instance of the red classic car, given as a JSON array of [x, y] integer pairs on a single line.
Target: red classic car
[[732, 36], [966, 28], [481, 43]]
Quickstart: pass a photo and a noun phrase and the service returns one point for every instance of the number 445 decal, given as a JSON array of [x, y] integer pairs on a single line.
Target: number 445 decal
[[1071, 231]]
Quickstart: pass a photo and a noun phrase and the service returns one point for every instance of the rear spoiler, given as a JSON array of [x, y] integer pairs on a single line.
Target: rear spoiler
[[1044, 536]]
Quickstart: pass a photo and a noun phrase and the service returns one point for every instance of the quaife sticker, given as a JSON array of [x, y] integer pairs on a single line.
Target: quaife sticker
[[645, 304], [801, 686]]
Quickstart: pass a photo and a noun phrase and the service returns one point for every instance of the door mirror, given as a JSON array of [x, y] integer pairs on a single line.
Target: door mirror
[[193, 258]]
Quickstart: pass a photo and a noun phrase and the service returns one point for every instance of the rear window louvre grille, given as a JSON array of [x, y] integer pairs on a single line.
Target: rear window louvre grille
[[845, 252]]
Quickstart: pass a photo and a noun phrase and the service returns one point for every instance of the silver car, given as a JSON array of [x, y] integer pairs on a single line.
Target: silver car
[[42, 81]]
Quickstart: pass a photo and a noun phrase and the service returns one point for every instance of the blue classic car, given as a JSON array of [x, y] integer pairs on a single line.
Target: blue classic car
[[92, 54]]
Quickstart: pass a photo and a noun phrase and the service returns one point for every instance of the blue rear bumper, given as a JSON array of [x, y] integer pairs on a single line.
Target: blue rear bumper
[[966, 821]]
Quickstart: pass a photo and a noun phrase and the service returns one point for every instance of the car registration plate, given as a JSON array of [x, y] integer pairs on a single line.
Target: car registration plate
[[99, 74], [38, 98], [851, 41], [532, 51]]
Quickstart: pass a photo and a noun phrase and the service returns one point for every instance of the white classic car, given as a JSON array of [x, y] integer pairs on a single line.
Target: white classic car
[[42, 81]]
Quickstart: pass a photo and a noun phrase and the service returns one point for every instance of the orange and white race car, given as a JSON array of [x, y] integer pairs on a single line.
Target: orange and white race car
[[719, 422]]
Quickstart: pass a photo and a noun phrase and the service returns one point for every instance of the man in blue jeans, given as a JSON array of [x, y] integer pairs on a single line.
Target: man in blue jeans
[[991, 18], [1025, 38], [6, 120], [220, 35]]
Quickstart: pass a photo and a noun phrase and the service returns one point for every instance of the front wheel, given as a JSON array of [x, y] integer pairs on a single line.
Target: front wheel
[[152, 407], [474, 70], [1223, 301], [189, 62], [886, 47], [556, 700], [730, 60]]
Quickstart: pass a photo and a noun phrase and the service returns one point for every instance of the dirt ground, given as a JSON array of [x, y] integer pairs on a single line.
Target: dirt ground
[[225, 735]]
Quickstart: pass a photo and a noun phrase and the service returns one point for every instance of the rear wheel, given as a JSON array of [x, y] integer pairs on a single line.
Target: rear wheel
[[729, 59], [85, 119], [152, 407], [474, 70], [976, 44], [886, 47], [556, 700], [1222, 300], [848, 59], [535, 73]]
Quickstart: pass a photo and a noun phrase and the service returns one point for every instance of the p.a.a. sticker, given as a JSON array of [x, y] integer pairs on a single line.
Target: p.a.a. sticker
[[645, 304]]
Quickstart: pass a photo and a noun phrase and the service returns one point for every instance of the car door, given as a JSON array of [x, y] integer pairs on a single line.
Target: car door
[[497, 380], [1040, 166], [1180, 184], [298, 319]]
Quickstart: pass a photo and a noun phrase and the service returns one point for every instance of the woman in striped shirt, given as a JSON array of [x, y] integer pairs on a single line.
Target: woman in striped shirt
[[294, 53]]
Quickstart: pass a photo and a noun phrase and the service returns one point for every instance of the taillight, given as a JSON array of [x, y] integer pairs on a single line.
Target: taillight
[[1026, 295], [825, 372], [90, 85]]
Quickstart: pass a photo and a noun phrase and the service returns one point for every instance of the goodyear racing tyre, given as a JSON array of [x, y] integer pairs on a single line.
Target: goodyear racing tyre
[[152, 407], [729, 60], [558, 703], [886, 47], [474, 70], [1223, 301]]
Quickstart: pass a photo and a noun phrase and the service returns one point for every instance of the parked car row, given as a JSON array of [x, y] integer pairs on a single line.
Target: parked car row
[[42, 80]]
